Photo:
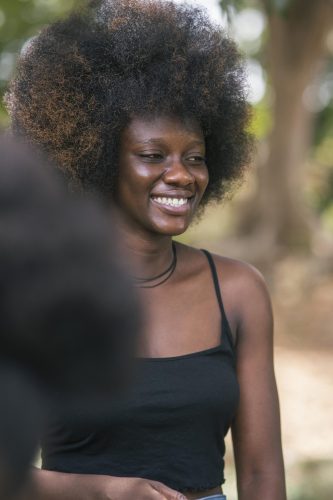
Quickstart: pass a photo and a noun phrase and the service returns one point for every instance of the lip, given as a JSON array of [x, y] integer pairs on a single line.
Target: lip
[[168, 209], [173, 194]]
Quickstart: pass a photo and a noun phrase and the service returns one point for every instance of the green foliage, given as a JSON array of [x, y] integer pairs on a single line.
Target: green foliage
[[324, 124], [280, 6], [320, 190], [19, 21], [229, 5], [261, 123]]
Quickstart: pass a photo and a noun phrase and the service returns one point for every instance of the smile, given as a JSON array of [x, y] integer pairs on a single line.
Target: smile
[[169, 201]]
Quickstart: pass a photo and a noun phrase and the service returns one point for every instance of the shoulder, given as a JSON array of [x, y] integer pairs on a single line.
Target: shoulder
[[242, 285], [244, 290], [241, 276], [245, 296]]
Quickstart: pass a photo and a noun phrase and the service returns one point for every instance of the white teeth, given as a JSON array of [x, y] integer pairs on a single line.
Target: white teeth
[[173, 202]]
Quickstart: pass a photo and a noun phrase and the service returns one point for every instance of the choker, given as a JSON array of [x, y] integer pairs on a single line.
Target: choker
[[162, 277]]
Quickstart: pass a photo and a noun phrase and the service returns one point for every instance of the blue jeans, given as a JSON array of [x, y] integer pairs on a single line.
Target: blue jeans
[[214, 497]]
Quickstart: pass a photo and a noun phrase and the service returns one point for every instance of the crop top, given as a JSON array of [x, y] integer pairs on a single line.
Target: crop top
[[169, 427]]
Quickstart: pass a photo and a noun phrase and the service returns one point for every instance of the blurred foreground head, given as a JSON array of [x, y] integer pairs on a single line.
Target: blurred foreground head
[[68, 316]]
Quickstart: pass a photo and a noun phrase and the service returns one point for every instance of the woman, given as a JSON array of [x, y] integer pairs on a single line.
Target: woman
[[143, 102]]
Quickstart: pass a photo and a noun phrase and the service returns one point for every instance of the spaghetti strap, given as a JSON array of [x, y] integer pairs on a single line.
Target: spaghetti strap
[[225, 322]]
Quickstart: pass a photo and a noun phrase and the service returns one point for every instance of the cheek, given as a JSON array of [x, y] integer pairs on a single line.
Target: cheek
[[132, 178], [203, 180]]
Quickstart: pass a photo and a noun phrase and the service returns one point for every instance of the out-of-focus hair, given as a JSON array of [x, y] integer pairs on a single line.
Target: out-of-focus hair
[[69, 319]]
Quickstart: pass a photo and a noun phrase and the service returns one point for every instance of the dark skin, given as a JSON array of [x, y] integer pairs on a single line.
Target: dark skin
[[162, 159]]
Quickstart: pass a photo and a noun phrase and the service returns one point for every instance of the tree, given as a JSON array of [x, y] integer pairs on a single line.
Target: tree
[[295, 54], [19, 21]]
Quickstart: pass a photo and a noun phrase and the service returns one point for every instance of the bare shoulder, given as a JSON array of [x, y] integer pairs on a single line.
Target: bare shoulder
[[244, 292], [241, 284], [239, 274], [232, 273]]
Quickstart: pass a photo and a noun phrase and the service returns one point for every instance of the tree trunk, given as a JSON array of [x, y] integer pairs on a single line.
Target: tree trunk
[[277, 219]]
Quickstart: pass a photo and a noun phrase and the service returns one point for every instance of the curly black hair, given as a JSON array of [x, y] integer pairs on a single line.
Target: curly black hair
[[82, 79], [64, 299], [69, 320]]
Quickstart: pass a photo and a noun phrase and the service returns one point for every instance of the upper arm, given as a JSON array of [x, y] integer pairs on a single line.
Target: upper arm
[[256, 428]]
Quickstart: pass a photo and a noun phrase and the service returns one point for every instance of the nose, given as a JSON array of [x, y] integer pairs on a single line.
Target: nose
[[178, 174]]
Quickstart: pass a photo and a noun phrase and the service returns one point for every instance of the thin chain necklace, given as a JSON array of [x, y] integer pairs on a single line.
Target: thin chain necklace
[[163, 277]]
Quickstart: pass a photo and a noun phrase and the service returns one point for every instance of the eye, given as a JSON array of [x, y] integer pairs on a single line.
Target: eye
[[196, 159], [151, 157]]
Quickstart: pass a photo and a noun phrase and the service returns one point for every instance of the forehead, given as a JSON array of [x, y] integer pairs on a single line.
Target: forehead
[[163, 127]]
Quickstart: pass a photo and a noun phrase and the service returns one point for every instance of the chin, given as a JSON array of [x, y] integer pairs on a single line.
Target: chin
[[171, 230], [169, 225]]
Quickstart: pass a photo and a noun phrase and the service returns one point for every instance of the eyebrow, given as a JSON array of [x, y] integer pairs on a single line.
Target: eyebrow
[[158, 140]]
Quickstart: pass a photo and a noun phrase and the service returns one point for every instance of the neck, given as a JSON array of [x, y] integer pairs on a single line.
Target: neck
[[149, 254]]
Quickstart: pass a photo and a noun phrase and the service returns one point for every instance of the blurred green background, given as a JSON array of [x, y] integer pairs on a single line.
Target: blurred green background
[[281, 218]]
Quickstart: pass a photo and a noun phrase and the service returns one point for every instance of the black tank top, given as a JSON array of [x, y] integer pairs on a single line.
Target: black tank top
[[169, 427]]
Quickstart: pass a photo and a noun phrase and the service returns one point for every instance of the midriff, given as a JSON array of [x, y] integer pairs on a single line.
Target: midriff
[[204, 493]]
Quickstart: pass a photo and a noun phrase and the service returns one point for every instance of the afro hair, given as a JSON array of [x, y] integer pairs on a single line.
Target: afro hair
[[82, 79], [65, 301]]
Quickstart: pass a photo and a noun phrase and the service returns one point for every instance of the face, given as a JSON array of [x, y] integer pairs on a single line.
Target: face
[[163, 174]]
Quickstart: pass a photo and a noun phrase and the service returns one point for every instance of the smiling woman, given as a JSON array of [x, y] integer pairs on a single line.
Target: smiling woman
[[163, 173], [143, 102]]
